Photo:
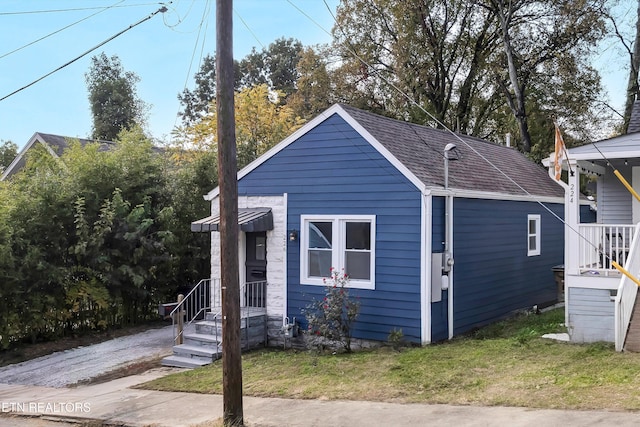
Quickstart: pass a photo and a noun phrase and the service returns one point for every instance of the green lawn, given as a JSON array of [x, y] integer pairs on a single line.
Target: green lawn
[[503, 364]]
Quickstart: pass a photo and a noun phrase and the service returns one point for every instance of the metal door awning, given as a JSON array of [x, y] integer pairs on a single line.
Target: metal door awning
[[249, 220]]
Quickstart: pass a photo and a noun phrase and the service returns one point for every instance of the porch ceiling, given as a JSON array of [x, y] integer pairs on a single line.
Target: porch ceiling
[[249, 220]]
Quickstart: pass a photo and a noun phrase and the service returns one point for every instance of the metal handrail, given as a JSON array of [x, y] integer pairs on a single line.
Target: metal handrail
[[195, 303], [206, 296], [627, 292]]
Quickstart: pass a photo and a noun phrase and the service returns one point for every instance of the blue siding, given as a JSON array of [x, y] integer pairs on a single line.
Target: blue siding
[[333, 170], [493, 274]]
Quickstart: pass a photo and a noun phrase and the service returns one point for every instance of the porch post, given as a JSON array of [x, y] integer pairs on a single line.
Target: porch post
[[572, 221]]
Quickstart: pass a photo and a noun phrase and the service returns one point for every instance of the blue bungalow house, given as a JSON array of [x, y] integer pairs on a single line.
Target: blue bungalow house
[[440, 233]]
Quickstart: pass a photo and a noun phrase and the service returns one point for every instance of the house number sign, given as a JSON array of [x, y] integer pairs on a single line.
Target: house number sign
[[572, 192]]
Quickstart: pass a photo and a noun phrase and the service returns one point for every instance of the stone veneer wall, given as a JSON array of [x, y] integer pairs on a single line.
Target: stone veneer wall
[[276, 257]]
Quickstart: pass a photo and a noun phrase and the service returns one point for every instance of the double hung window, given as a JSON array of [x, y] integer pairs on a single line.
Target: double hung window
[[341, 242], [533, 235]]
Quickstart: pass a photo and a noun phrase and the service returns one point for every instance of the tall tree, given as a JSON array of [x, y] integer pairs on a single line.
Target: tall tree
[[314, 87], [115, 105], [538, 36], [274, 66], [462, 61], [260, 123], [195, 103], [432, 51], [632, 50]]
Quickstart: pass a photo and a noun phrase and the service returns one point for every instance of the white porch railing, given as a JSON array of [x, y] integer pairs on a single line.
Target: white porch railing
[[627, 291], [599, 244]]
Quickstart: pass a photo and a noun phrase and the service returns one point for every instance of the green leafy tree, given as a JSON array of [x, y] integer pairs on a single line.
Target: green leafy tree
[[90, 240], [435, 52], [114, 103], [8, 152], [463, 61], [195, 103], [261, 122], [274, 66], [544, 44], [314, 87]]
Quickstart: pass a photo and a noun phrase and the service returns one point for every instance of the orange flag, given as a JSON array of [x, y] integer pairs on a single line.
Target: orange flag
[[560, 151]]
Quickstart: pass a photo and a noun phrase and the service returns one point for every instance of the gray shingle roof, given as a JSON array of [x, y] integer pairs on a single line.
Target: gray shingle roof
[[421, 150], [60, 143], [634, 120], [57, 143]]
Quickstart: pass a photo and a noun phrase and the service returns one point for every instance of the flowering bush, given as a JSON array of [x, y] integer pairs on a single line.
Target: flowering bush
[[330, 319]]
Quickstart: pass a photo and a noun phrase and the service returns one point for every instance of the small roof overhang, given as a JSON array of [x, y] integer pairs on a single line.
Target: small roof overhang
[[249, 220]]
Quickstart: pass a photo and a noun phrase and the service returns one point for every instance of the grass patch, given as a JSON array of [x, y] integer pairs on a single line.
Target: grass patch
[[504, 364]]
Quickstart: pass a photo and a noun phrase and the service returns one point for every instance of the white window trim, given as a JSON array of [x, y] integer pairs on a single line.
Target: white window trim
[[338, 250], [536, 251]]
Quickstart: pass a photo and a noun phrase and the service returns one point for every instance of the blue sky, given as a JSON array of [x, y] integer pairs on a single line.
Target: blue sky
[[159, 51]]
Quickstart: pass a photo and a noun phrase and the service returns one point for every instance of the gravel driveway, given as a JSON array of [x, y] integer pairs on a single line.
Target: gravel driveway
[[68, 367]]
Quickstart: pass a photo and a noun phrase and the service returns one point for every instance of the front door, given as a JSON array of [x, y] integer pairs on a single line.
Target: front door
[[256, 269]]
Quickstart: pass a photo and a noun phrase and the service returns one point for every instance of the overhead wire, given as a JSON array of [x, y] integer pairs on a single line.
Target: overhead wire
[[205, 14], [76, 9], [249, 29], [161, 10], [180, 18], [60, 30]]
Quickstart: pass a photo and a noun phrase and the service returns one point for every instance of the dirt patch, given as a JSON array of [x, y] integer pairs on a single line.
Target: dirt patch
[[135, 368], [25, 352]]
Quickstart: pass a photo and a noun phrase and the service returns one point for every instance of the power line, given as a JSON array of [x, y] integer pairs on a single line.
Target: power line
[[249, 29], [30, 12], [60, 30], [161, 10], [205, 14]]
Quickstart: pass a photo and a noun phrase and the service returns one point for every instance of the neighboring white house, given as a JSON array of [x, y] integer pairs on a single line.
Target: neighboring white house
[[599, 299]]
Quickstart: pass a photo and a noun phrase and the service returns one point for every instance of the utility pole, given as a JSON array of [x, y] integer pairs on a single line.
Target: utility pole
[[227, 179]]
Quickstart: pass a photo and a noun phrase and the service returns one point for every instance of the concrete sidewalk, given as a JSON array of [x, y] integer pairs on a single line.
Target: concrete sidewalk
[[116, 403]]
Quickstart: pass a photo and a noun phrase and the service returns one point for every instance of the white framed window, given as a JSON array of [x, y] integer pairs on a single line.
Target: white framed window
[[339, 241], [533, 235]]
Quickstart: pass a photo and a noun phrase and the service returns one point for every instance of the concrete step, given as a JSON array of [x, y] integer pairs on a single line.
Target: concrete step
[[207, 353], [183, 362], [213, 316], [209, 327], [202, 340]]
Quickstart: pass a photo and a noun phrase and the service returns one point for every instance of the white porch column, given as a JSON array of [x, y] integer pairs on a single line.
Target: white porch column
[[572, 220]]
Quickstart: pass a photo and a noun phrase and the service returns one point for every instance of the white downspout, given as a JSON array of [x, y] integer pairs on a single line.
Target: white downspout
[[448, 240], [285, 201], [426, 227], [449, 249]]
